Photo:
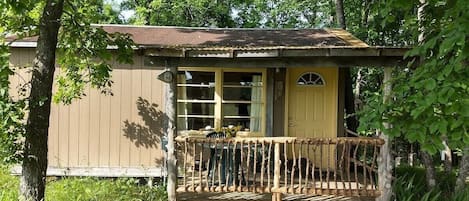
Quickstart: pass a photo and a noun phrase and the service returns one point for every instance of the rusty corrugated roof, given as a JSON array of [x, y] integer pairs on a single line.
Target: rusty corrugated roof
[[190, 37]]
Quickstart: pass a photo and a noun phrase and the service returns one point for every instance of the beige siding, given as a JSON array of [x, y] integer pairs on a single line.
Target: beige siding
[[102, 131]]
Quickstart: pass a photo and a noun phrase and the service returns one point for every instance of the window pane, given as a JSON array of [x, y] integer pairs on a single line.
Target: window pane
[[236, 109], [194, 85], [242, 79], [196, 109], [246, 115], [196, 93], [192, 123], [244, 94], [196, 77], [247, 124]]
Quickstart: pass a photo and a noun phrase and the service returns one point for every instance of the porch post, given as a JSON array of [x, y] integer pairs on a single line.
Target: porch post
[[277, 196], [170, 109], [384, 160]]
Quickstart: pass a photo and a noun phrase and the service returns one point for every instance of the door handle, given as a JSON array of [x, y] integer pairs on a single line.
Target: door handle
[[291, 124]]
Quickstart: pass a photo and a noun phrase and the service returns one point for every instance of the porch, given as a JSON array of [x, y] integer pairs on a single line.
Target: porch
[[311, 168], [249, 196]]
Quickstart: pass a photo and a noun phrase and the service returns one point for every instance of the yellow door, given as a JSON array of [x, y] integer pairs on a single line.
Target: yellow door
[[312, 107]]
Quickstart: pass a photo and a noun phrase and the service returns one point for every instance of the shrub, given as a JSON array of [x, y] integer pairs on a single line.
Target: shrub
[[410, 185]]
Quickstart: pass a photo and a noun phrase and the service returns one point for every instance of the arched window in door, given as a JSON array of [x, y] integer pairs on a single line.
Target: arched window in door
[[310, 79]]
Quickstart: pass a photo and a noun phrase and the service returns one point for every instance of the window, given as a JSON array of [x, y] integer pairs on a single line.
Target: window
[[218, 98], [311, 79]]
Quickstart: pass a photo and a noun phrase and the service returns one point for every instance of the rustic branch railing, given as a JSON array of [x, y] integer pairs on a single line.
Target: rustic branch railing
[[320, 166]]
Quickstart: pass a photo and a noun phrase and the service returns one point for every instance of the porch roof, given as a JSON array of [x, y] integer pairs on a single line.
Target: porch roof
[[239, 43]]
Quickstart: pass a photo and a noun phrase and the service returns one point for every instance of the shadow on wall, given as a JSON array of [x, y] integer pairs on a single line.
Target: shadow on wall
[[150, 133]]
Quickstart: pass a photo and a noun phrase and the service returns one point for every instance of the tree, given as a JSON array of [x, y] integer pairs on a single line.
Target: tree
[[431, 96], [83, 57], [205, 13]]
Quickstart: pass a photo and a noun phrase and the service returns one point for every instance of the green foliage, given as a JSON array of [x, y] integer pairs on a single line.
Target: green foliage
[[83, 53], [83, 56], [410, 185], [231, 13], [283, 13], [11, 114], [86, 189], [102, 189], [432, 100], [205, 13]]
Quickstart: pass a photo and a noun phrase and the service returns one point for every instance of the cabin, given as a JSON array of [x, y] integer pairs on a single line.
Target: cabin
[[282, 90]]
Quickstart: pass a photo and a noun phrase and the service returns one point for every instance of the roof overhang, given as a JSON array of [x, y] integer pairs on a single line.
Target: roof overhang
[[279, 57], [190, 46]]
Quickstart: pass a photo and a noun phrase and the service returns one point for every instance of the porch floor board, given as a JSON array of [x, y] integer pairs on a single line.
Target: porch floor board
[[248, 196]]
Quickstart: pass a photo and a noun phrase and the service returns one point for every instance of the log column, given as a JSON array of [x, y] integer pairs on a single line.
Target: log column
[[169, 77]]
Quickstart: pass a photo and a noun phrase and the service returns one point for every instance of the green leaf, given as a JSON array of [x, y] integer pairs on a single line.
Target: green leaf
[[430, 84]]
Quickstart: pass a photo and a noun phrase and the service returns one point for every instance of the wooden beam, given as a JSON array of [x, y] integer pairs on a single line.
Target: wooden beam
[[369, 61], [279, 52], [171, 129], [384, 159], [269, 121], [99, 171]]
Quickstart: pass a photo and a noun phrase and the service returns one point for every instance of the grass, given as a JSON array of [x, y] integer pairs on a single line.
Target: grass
[[410, 185], [85, 189]]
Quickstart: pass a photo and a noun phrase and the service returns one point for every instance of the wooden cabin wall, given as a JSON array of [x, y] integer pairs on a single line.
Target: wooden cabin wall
[[101, 131], [341, 104]]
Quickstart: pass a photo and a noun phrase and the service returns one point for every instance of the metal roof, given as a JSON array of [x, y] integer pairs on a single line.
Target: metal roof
[[161, 41], [196, 37]]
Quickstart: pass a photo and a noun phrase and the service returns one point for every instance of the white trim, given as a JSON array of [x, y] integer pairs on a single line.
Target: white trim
[[100, 171], [23, 44], [314, 84]]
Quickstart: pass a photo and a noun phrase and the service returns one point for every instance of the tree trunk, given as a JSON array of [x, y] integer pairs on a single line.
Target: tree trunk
[[357, 90], [426, 158], [385, 159], [430, 178], [463, 170], [366, 13], [34, 165], [448, 156], [339, 10]]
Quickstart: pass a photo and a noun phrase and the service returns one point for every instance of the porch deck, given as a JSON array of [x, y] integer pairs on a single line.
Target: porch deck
[[320, 167], [248, 196]]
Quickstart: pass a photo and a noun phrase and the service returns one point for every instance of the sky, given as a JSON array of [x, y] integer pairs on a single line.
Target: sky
[[125, 13]]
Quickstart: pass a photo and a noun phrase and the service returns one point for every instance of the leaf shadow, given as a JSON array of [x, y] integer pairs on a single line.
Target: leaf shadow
[[149, 133]]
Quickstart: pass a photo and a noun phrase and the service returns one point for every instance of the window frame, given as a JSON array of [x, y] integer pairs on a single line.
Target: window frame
[[311, 85], [218, 96]]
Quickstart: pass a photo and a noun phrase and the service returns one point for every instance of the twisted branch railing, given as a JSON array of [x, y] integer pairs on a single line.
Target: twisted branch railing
[[320, 166]]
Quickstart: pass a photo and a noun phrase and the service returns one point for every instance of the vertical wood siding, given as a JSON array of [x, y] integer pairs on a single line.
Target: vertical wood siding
[[98, 130]]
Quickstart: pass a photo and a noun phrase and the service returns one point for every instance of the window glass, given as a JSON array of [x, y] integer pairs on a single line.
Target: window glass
[[242, 79], [310, 78], [242, 93], [196, 100], [193, 123], [196, 108], [193, 85], [241, 102]]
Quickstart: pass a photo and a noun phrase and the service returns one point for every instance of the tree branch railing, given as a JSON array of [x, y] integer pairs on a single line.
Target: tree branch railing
[[319, 166]]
